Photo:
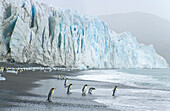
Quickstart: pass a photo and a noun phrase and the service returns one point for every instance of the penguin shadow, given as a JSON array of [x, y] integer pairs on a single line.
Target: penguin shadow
[[114, 97]]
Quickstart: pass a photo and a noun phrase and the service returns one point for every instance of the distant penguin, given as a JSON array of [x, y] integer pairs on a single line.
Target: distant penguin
[[65, 82], [84, 90], [69, 88], [90, 90], [2, 69], [16, 72], [5, 69], [61, 76], [50, 95], [114, 90]]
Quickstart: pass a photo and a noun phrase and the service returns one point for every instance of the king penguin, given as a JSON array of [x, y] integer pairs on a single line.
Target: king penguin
[[114, 90], [50, 94], [90, 90], [84, 90], [69, 88], [65, 82]]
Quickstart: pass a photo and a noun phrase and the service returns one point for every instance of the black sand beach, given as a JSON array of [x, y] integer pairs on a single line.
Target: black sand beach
[[28, 92]]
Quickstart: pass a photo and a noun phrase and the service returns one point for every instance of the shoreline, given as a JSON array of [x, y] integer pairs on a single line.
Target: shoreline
[[29, 90], [15, 86], [15, 93]]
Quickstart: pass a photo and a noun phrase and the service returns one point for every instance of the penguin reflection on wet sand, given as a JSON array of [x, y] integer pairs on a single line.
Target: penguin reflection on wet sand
[[84, 90], [90, 90], [69, 88], [50, 95], [65, 82], [114, 90]]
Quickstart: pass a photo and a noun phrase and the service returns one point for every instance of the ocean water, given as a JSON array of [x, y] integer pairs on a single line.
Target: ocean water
[[140, 89]]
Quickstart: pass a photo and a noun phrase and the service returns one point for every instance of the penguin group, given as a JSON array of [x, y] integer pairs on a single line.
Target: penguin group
[[60, 77], [84, 89], [11, 70]]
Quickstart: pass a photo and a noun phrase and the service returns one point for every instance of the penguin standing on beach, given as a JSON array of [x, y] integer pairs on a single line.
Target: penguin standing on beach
[[114, 90], [62, 76], [90, 90], [84, 90], [65, 82], [50, 95], [69, 88]]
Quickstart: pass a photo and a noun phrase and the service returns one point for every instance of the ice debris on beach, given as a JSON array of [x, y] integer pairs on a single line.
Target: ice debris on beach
[[38, 68], [36, 33], [2, 78]]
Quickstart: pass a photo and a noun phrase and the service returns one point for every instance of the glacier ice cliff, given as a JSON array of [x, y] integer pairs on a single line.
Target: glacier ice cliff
[[36, 33]]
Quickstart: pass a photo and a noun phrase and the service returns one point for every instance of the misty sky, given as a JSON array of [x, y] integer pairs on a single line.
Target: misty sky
[[104, 7]]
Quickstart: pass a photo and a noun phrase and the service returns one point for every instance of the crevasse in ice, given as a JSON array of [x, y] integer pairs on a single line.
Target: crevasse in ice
[[36, 33]]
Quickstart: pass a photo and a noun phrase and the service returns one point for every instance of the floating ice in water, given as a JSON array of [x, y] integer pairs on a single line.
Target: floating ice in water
[[2, 78]]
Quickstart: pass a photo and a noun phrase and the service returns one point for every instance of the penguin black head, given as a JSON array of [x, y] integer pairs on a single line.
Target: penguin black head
[[92, 88], [115, 88]]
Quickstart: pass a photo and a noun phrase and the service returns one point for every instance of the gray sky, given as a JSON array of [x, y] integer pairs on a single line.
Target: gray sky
[[104, 7]]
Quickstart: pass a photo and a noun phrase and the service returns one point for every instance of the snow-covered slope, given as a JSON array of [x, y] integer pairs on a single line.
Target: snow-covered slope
[[35, 33]]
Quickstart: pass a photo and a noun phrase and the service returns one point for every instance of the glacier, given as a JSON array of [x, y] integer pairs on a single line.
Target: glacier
[[36, 33]]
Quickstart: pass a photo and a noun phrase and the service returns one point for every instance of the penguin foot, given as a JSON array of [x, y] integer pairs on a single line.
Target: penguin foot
[[83, 94], [69, 93], [48, 100]]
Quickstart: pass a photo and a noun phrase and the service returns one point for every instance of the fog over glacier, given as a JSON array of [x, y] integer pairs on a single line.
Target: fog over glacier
[[36, 33]]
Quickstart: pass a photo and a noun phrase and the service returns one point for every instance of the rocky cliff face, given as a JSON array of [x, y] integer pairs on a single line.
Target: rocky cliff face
[[35, 33]]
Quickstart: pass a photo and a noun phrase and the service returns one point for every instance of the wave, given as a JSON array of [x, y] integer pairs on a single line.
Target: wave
[[113, 76]]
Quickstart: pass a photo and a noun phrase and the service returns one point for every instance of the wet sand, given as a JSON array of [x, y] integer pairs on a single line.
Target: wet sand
[[29, 90]]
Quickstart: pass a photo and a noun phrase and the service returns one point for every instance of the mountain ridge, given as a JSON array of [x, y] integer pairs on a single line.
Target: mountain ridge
[[147, 28]]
